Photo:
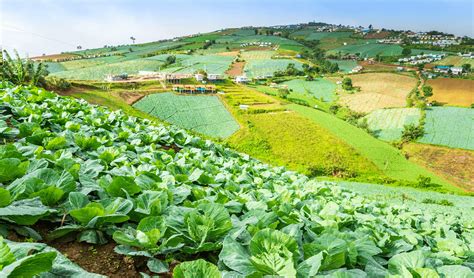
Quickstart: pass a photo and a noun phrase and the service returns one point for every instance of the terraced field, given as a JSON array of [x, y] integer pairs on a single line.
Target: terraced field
[[312, 35], [456, 61], [320, 88], [387, 124], [452, 91], [202, 114], [449, 126], [217, 64], [378, 90]]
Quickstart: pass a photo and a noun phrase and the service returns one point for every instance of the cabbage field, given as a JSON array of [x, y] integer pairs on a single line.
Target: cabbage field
[[369, 50], [204, 114], [322, 89], [162, 196], [449, 126], [264, 68], [387, 124]]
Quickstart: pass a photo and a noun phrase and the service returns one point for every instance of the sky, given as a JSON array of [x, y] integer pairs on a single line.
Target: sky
[[34, 27]]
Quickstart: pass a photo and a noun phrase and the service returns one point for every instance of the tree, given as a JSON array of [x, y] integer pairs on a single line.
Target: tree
[[370, 27], [466, 67], [133, 39], [170, 60], [406, 51], [22, 71], [256, 31], [347, 84], [427, 90]]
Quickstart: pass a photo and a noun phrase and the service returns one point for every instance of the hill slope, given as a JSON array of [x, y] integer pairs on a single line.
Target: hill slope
[[158, 192]]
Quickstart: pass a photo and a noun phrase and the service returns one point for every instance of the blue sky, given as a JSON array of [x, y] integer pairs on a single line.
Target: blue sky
[[50, 26]]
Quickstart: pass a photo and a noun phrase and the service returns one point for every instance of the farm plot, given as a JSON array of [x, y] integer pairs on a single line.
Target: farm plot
[[369, 50], [456, 61], [378, 90], [257, 54], [345, 65], [217, 64], [452, 91], [387, 124], [262, 68], [204, 114], [99, 72], [449, 126], [53, 67], [320, 88]]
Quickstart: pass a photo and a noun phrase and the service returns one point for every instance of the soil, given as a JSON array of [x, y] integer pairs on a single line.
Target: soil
[[455, 165], [131, 97], [236, 69], [54, 57], [381, 35]]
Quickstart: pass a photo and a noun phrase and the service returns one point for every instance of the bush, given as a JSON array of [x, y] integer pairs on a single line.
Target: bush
[[347, 84], [57, 84], [412, 132], [427, 90]]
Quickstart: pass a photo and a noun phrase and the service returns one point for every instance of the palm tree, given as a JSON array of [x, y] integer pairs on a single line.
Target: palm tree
[[21, 71]]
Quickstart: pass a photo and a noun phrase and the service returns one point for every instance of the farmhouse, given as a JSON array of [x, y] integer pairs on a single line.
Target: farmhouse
[[117, 77], [441, 69]]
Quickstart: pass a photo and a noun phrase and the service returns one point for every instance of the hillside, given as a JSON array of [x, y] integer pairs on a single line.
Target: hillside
[[165, 200]]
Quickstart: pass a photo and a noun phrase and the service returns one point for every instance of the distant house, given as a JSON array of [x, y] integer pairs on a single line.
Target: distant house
[[199, 77], [357, 69], [241, 79], [214, 76], [116, 77], [456, 70]]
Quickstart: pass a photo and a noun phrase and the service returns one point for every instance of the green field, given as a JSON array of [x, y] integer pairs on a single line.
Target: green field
[[203, 114], [257, 54], [387, 124], [266, 67], [449, 126], [101, 71], [369, 50], [417, 199], [345, 65], [312, 35], [216, 64], [322, 89], [387, 158]]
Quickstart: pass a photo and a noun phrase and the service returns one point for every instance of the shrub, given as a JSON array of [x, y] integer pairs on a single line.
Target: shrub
[[57, 84], [427, 90], [347, 84], [412, 132], [22, 71]]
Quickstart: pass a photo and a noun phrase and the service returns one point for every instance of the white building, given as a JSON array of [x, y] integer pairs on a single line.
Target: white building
[[214, 76], [241, 79], [456, 70]]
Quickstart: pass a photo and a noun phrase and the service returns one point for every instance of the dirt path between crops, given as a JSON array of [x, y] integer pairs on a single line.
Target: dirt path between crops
[[236, 69]]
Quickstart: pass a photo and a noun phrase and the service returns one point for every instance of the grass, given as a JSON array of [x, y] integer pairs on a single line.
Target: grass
[[202, 114], [387, 158], [452, 91], [387, 124], [378, 90], [369, 50], [321, 89], [449, 126], [453, 164]]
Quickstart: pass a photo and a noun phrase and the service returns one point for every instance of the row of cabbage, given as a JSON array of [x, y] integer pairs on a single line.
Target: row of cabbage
[[98, 175]]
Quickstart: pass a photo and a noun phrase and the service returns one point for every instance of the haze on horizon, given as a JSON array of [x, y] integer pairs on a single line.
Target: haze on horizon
[[52, 26]]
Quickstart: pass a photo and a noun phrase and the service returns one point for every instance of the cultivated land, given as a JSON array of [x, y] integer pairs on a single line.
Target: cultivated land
[[320, 88], [387, 124], [258, 68], [369, 50], [449, 126], [378, 90], [202, 114], [387, 158], [451, 91], [455, 165], [456, 61], [345, 65]]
